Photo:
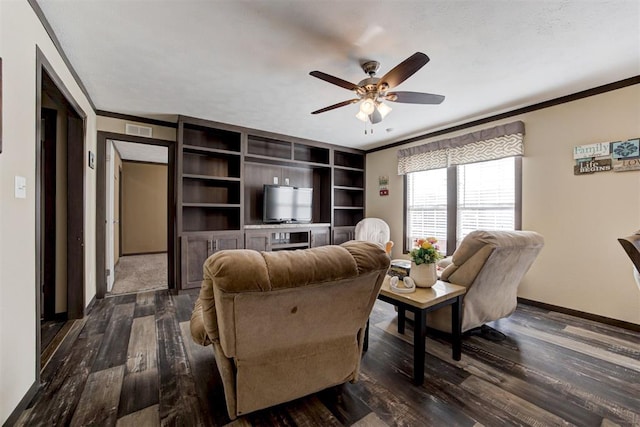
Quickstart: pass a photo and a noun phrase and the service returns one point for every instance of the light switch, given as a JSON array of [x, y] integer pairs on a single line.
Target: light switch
[[21, 187]]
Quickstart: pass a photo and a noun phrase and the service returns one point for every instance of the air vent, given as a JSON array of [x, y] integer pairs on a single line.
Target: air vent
[[138, 130]]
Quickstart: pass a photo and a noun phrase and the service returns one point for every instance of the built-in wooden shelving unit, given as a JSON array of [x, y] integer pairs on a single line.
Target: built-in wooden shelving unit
[[222, 170]]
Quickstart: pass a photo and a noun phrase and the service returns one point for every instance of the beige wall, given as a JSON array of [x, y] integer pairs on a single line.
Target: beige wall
[[582, 266], [144, 208], [110, 124], [20, 33]]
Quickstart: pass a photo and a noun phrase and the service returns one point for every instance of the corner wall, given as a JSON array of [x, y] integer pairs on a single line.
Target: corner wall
[[20, 33], [582, 266]]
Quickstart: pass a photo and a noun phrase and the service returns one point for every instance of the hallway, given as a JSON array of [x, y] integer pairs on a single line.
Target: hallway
[[137, 273]]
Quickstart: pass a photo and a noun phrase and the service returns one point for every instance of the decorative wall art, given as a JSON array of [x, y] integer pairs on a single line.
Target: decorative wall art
[[383, 184], [618, 156]]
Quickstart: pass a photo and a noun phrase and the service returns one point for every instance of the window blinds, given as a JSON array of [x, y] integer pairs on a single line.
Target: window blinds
[[427, 206], [488, 144], [486, 197]]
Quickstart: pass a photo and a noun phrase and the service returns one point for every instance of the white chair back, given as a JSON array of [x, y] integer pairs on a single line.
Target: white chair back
[[373, 230]]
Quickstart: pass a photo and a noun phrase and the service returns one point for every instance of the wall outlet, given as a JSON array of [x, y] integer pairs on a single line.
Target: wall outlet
[[275, 179]]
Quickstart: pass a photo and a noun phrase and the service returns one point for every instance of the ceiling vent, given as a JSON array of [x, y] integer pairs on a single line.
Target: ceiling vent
[[138, 130]]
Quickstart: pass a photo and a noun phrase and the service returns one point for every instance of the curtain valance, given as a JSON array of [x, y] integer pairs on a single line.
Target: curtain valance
[[487, 144]]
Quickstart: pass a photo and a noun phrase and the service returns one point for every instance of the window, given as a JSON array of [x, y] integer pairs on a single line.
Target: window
[[427, 205], [483, 195]]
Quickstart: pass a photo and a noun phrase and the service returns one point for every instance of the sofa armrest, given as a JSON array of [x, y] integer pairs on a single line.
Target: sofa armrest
[[198, 332]]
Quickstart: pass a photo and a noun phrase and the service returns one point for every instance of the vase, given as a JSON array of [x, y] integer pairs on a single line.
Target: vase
[[424, 275]]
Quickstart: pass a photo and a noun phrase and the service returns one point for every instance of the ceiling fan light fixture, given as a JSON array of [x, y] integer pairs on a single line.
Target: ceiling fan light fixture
[[362, 116], [368, 106], [383, 109]]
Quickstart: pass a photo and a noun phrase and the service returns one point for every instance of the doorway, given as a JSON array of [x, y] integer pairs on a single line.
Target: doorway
[[59, 210], [137, 230], [135, 178]]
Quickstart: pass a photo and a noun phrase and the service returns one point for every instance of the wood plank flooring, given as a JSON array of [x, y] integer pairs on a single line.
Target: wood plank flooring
[[132, 362]]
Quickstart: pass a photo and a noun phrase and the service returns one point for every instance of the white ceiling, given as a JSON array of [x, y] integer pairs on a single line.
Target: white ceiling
[[142, 152], [248, 62]]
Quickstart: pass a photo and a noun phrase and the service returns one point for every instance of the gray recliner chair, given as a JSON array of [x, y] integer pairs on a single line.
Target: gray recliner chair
[[491, 265]]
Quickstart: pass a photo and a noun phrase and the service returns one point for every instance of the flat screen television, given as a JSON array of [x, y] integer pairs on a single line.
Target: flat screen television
[[283, 203]]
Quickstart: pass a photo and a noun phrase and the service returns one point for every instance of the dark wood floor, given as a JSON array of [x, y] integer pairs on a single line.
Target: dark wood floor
[[132, 362]]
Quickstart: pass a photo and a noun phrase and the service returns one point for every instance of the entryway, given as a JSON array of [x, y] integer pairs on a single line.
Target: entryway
[[60, 154], [137, 193], [135, 218]]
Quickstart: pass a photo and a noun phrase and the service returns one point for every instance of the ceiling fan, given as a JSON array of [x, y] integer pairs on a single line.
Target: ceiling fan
[[373, 90]]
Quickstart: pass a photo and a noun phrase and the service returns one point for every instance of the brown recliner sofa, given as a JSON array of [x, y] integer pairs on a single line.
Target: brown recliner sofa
[[286, 324], [491, 265]]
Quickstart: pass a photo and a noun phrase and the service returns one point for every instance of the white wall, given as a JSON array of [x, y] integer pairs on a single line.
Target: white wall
[[20, 33], [582, 266]]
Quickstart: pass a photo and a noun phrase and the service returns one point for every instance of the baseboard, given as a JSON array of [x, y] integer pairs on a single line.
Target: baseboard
[[29, 395], [90, 306], [142, 253], [589, 316]]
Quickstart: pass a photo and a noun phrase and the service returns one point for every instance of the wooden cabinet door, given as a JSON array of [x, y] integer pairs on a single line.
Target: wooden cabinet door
[[222, 241], [258, 241], [197, 248], [195, 251], [320, 237], [343, 234]]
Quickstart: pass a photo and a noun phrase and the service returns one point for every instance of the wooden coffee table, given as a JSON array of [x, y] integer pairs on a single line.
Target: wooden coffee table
[[420, 302]]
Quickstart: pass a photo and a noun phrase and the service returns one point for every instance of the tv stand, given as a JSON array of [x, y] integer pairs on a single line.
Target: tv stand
[[286, 236]]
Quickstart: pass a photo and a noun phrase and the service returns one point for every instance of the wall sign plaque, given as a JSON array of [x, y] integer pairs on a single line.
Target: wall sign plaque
[[625, 149], [592, 166], [592, 150], [624, 165], [618, 156]]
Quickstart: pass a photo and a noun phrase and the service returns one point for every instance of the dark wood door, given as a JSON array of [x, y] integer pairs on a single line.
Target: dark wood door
[[196, 248], [75, 217], [48, 185]]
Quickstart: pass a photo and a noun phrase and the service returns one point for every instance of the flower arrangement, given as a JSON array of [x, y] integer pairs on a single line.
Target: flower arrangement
[[426, 251]]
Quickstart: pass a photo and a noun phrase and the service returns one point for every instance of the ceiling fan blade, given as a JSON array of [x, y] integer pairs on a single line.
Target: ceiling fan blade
[[375, 117], [334, 106], [403, 70], [414, 98], [334, 80]]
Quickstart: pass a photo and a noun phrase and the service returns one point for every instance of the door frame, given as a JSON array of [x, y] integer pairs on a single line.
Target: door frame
[[75, 281], [101, 213]]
